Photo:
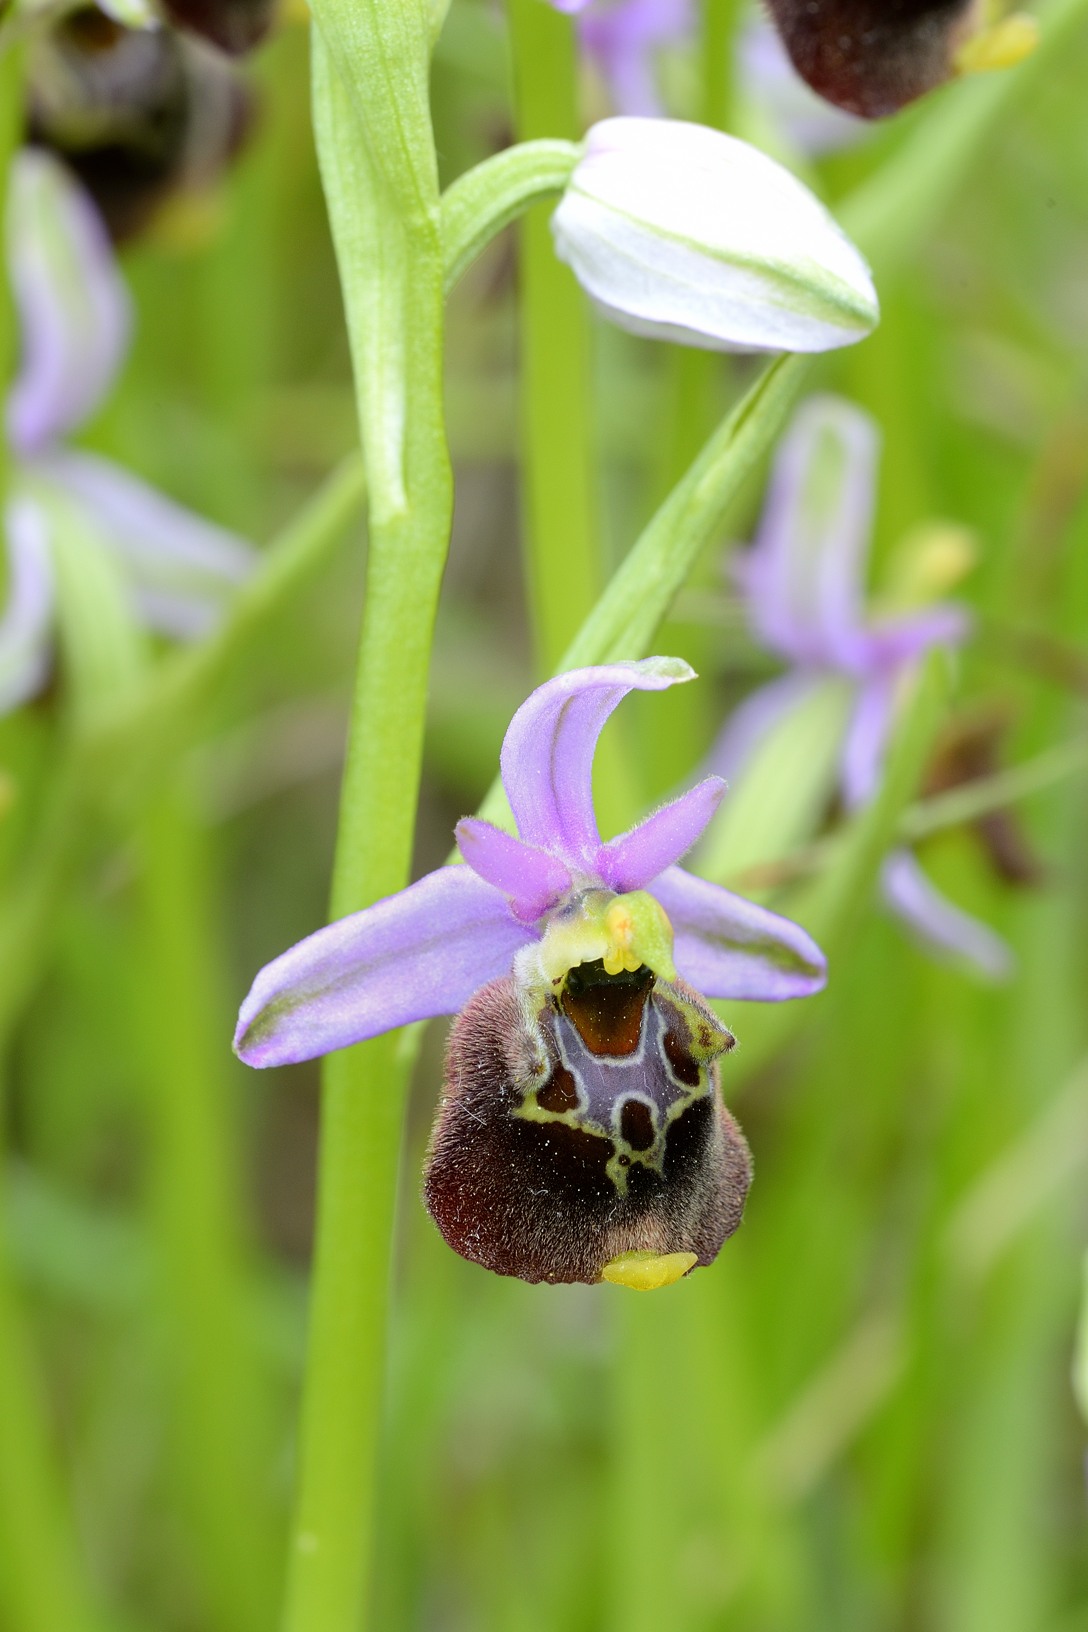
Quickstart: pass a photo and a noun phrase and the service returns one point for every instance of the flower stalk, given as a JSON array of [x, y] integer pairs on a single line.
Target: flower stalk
[[216, 1394], [559, 501], [377, 159]]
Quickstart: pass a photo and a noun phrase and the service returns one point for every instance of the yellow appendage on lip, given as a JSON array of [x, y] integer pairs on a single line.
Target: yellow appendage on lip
[[1002, 45], [621, 931], [647, 1271]]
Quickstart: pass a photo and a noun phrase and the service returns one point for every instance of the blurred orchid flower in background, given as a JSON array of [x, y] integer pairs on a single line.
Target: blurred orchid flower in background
[[582, 1120], [75, 319], [808, 123], [804, 586], [624, 37], [872, 57], [683, 233], [140, 114]]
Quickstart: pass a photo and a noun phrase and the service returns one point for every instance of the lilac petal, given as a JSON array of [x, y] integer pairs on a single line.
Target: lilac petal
[[183, 567], [636, 858], [622, 37], [27, 619], [898, 640], [412, 956], [547, 755], [866, 739], [530, 878], [72, 302], [945, 929], [729, 947], [752, 721], [804, 577]]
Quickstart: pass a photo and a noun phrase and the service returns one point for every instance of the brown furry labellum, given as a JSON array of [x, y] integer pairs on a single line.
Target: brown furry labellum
[[235, 26], [580, 1126], [137, 114], [872, 57]]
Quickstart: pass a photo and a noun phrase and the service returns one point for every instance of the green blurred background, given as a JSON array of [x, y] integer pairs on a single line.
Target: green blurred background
[[862, 1416]]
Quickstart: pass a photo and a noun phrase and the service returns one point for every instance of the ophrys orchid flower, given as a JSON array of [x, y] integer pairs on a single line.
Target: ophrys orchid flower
[[804, 587], [139, 113], [624, 38], [782, 102], [581, 1121], [871, 57], [74, 315]]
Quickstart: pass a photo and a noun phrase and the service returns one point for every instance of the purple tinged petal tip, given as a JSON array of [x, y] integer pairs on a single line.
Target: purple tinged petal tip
[[732, 948], [531, 879], [547, 754], [943, 928], [636, 858], [410, 957], [73, 305]]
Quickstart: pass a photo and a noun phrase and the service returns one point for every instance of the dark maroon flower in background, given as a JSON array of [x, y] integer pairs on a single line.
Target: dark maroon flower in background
[[136, 113], [872, 57], [235, 26]]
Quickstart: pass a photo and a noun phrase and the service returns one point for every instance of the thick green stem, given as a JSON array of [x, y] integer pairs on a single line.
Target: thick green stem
[[378, 167], [202, 1280], [560, 501]]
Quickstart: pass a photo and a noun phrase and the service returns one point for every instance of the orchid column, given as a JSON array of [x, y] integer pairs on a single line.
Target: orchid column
[[371, 63]]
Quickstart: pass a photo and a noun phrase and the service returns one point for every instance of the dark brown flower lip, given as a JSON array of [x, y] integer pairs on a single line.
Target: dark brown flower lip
[[136, 114], [550, 1160], [235, 26], [872, 57]]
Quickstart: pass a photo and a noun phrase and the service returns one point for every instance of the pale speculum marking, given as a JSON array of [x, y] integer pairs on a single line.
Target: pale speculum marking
[[631, 1097]]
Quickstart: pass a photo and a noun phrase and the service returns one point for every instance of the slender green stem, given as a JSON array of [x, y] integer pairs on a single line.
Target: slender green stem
[[934, 815], [378, 167], [720, 21], [41, 1586], [31, 907], [840, 897], [997, 792], [202, 1281], [141, 738], [489, 197], [560, 500]]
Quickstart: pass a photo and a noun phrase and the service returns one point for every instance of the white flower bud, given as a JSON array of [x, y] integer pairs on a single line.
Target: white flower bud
[[683, 233]]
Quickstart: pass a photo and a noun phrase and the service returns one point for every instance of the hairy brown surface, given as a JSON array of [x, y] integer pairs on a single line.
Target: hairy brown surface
[[534, 1199], [871, 57]]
